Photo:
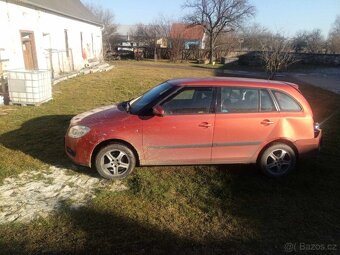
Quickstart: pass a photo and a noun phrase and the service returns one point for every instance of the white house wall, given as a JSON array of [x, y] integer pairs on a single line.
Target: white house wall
[[49, 38]]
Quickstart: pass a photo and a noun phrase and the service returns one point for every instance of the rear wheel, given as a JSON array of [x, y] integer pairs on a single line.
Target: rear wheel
[[277, 160], [115, 161]]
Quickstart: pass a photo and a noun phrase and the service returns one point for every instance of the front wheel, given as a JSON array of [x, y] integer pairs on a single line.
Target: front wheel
[[277, 160], [115, 161]]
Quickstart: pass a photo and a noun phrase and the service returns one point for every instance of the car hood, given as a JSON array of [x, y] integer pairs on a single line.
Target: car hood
[[100, 115]]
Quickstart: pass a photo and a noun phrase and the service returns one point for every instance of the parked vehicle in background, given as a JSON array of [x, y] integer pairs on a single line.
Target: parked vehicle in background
[[198, 121]]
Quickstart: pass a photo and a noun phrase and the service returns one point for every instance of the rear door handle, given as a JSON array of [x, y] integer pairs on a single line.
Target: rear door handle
[[267, 122], [205, 124]]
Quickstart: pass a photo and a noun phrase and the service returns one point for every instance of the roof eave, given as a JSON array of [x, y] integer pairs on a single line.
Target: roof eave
[[29, 4]]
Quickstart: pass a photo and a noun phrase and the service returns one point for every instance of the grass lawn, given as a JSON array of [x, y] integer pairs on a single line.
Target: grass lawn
[[185, 210]]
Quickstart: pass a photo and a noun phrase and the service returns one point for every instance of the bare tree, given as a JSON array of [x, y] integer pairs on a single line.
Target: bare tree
[[106, 17], [225, 43], [299, 42], [253, 36], [149, 35], [315, 41], [309, 41], [334, 36], [276, 54], [217, 16]]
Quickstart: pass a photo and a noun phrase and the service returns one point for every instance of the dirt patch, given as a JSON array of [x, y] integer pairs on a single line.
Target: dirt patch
[[36, 194]]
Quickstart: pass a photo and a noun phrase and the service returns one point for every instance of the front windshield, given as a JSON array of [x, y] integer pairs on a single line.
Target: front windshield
[[151, 95]]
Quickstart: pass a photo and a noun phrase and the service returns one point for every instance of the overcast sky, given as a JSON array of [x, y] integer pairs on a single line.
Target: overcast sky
[[287, 16]]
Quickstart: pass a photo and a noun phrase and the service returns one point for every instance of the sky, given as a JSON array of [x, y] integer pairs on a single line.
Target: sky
[[285, 16]]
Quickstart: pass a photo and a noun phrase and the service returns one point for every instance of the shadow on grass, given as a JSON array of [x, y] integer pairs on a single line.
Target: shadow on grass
[[90, 231], [111, 234], [42, 138]]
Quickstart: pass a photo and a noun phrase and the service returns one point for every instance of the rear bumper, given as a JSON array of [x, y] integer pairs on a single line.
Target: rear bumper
[[309, 147]]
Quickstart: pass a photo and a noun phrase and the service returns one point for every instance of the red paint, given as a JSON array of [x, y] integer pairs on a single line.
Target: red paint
[[198, 138]]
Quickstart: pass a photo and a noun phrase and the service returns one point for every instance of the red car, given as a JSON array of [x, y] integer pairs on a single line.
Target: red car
[[198, 121]]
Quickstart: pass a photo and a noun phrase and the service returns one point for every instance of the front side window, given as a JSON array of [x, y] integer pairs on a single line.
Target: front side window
[[238, 100], [151, 95], [286, 102], [189, 101]]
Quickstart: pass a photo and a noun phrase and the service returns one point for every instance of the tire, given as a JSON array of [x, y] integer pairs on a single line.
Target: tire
[[115, 161], [277, 160]]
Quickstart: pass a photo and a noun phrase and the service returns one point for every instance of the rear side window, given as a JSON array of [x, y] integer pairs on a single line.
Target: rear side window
[[286, 103]]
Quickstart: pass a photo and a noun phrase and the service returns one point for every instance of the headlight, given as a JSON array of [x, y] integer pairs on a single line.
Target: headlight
[[78, 131]]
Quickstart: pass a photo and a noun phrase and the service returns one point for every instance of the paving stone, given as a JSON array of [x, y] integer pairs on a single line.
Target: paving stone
[[37, 194]]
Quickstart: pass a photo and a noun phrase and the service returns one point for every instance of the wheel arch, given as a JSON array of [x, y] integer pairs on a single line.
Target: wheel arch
[[111, 141], [277, 141]]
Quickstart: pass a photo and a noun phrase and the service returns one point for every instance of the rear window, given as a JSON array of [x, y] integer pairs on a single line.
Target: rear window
[[286, 103]]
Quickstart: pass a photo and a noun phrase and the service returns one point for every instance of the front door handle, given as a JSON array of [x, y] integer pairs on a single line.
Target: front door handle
[[267, 122], [205, 124]]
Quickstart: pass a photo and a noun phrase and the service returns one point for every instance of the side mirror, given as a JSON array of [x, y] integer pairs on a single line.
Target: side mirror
[[158, 110]]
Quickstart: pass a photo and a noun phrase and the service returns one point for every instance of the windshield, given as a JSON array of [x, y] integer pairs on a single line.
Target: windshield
[[151, 95]]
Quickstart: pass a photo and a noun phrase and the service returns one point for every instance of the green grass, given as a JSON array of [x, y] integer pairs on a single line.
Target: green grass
[[185, 210]]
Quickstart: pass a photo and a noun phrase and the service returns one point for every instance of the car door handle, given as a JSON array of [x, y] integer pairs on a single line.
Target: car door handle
[[205, 124], [267, 122]]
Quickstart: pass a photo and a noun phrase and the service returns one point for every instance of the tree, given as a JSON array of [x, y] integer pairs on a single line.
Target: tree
[[334, 36], [309, 41], [315, 41], [225, 43], [276, 54], [299, 43], [253, 36], [148, 35], [106, 17], [217, 16]]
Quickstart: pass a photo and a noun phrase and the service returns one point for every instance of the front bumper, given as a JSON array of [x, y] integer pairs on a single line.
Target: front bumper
[[78, 150]]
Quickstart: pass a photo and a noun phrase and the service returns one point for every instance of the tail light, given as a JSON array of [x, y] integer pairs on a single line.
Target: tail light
[[316, 129]]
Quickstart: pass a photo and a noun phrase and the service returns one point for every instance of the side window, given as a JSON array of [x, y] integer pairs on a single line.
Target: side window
[[239, 100], [189, 101], [267, 104], [286, 102]]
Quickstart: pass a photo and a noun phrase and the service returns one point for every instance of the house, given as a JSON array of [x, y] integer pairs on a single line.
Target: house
[[190, 35], [61, 36]]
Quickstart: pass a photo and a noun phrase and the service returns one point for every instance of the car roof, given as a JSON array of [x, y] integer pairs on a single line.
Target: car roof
[[231, 81]]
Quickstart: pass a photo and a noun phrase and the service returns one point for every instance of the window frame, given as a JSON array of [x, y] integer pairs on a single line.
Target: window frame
[[276, 106], [212, 109]]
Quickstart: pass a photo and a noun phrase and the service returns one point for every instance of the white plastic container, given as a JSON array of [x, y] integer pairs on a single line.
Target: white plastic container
[[29, 87], [1, 100]]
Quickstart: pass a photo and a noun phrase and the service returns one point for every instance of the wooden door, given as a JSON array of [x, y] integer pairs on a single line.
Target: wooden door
[[28, 49]]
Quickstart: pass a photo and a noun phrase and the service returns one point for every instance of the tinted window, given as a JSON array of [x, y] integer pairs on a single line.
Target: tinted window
[[239, 100], [286, 102], [189, 101], [267, 104]]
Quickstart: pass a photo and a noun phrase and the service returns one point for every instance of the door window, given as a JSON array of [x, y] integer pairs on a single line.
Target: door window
[[238, 100], [190, 101]]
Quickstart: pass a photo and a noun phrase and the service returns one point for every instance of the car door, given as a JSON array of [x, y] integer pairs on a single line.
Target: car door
[[183, 135], [245, 120]]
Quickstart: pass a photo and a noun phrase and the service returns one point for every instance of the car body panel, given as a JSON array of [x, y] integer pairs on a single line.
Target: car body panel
[[173, 139], [237, 136], [179, 139]]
